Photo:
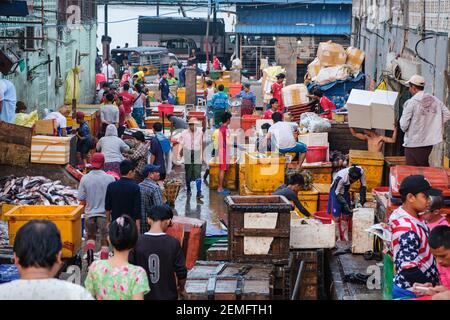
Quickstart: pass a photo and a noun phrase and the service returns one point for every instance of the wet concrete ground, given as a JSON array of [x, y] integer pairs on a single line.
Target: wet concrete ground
[[211, 208]]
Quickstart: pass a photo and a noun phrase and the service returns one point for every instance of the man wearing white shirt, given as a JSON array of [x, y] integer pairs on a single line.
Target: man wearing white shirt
[[60, 118], [191, 141], [283, 138], [108, 71], [8, 101]]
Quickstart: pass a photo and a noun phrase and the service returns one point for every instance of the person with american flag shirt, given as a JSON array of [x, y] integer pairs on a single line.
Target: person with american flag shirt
[[413, 260]]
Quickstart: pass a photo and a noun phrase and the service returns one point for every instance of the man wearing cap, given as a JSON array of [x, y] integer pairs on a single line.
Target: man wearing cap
[[423, 120], [84, 140], [151, 194], [191, 141], [276, 91], [413, 260], [91, 193]]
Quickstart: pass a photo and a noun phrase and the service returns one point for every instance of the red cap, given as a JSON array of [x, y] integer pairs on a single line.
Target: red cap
[[97, 160], [79, 115]]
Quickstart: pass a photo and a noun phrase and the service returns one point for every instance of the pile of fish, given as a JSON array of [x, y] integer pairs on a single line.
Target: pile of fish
[[35, 191]]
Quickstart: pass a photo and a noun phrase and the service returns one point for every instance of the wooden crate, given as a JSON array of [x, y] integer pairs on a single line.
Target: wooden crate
[[312, 281], [211, 280], [259, 228], [218, 251], [340, 138], [45, 127]]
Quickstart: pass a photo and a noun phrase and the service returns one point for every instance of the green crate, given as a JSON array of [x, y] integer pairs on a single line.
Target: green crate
[[209, 241], [388, 277]]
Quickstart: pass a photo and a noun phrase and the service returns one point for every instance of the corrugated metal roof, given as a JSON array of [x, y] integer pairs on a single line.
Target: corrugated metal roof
[[312, 20]]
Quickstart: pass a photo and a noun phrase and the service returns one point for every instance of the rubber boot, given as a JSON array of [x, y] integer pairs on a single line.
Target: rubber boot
[[90, 247], [198, 184]]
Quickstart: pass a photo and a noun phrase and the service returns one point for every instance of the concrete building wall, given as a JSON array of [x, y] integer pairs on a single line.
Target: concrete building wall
[[411, 29], [40, 91]]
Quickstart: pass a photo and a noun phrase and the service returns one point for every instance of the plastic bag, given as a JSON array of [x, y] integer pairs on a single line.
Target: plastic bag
[[330, 74], [314, 123], [72, 80], [26, 119]]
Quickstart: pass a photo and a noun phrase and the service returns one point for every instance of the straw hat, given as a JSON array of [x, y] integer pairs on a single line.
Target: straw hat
[[193, 121]]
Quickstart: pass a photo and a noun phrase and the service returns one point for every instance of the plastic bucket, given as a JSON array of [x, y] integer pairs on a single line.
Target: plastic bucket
[[316, 154], [235, 89], [323, 216], [166, 109], [380, 189]]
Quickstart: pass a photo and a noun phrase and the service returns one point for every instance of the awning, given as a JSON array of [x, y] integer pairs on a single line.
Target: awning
[[305, 20], [13, 8]]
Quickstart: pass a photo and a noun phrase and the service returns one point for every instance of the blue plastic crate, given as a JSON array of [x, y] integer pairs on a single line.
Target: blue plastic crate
[[8, 272]]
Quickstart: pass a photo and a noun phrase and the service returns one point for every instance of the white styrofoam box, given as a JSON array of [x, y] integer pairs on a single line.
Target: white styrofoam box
[[314, 139], [359, 109], [363, 218], [312, 235], [383, 109]]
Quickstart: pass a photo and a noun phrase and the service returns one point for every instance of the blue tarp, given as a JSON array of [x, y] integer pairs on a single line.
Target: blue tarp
[[14, 9], [314, 19], [338, 91]]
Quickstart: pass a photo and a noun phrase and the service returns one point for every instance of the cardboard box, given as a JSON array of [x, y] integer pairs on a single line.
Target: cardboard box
[[331, 54], [359, 109], [53, 150], [383, 109], [355, 58], [295, 94], [314, 68], [45, 127]]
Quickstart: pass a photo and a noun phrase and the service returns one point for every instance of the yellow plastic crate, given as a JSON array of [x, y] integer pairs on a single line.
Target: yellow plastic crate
[[321, 173], [4, 209], [242, 187], [309, 199], [181, 95], [230, 181], [372, 163], [66, 218], [264, 174]]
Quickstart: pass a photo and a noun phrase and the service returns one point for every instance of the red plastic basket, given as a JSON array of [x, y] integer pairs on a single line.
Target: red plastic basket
[[166, 109], [323, 216], [316, 154]]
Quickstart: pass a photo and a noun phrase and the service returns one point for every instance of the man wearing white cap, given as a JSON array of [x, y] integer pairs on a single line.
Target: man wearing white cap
[[423, 122]]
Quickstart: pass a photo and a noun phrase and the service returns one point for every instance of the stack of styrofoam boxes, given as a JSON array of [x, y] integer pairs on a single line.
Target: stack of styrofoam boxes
[[372, 109], [316, 140]]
